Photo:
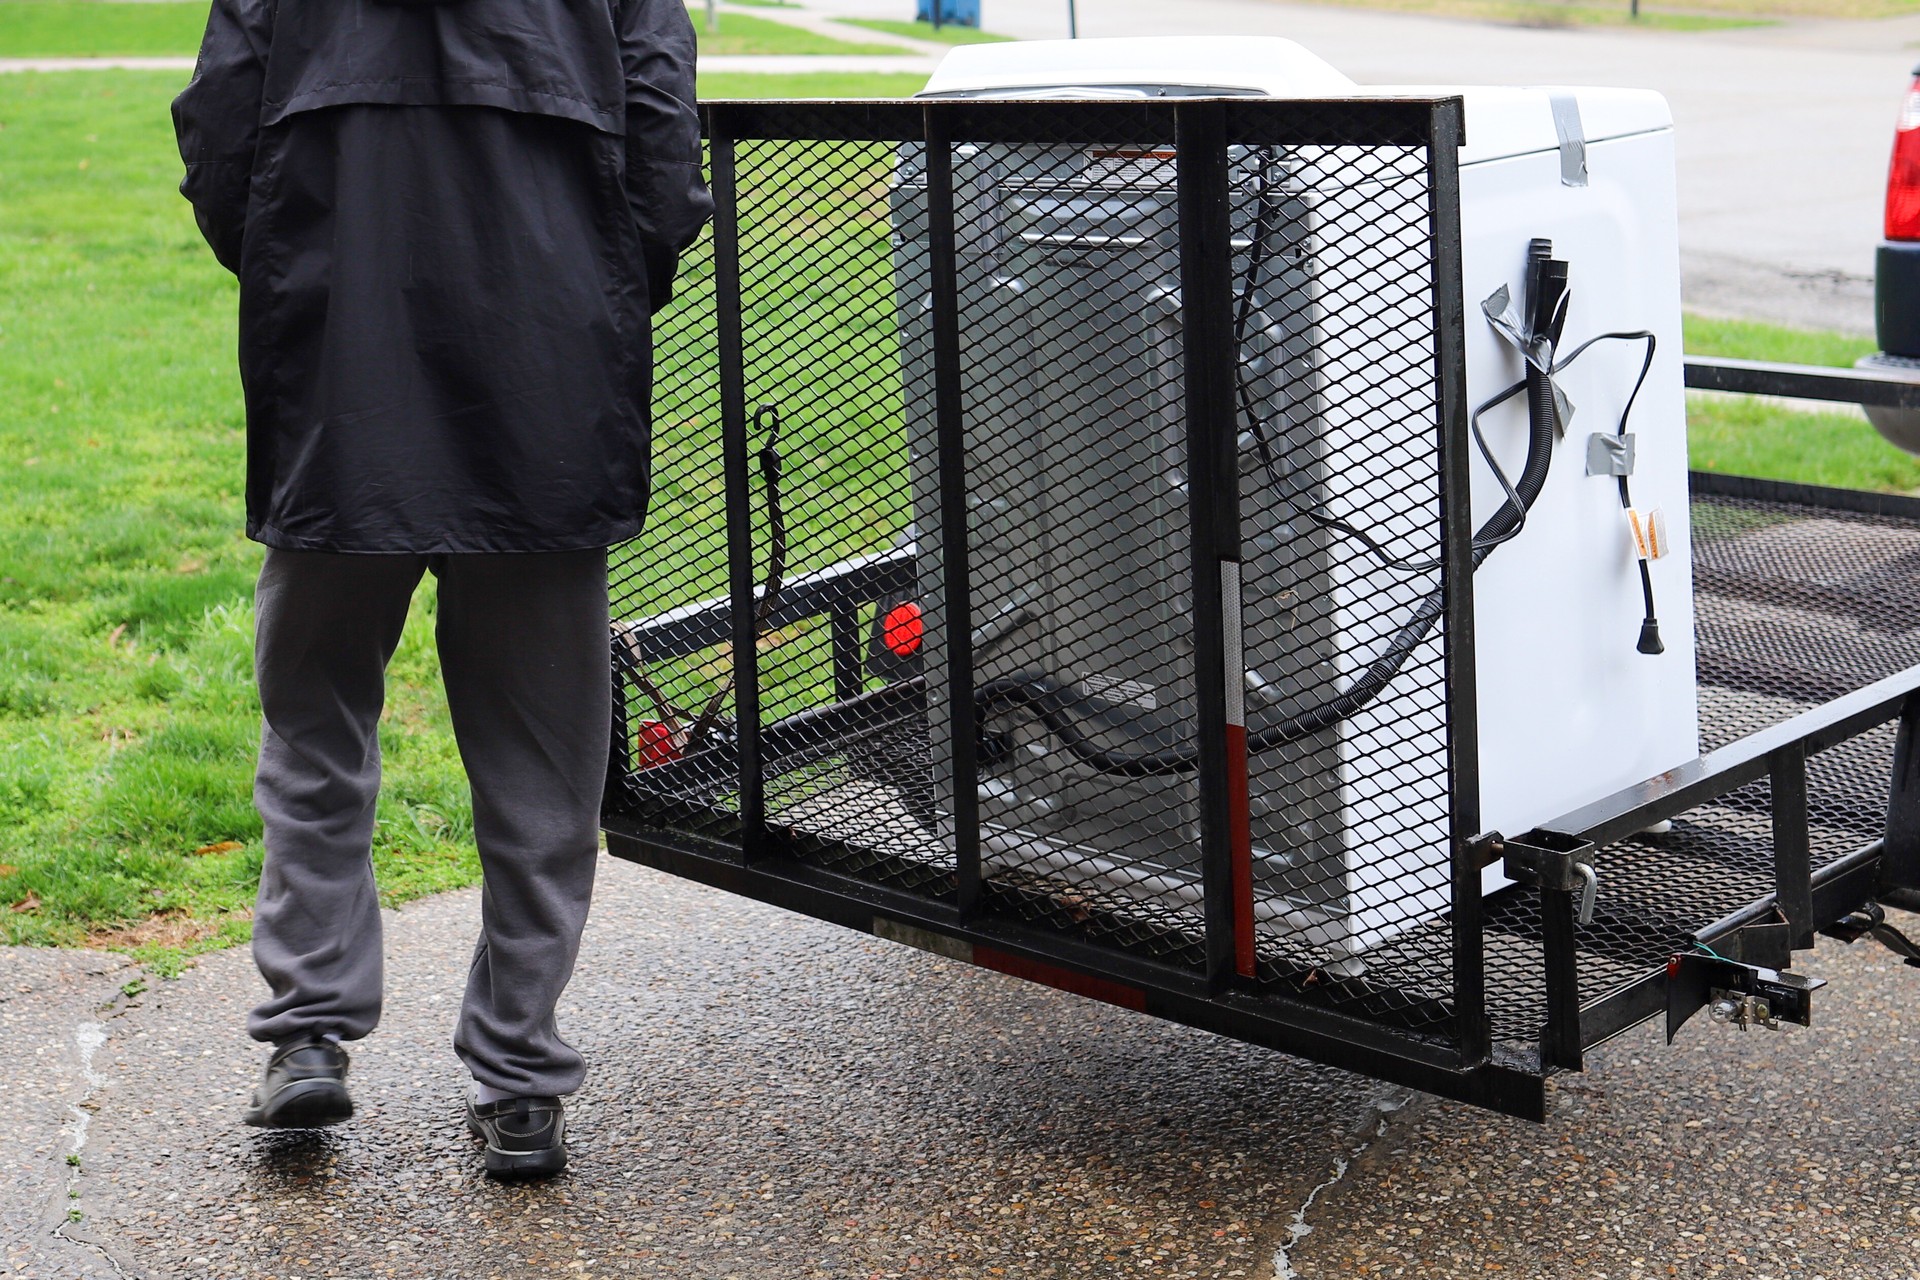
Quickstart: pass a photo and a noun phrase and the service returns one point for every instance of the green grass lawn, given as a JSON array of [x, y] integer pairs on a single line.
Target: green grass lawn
[[946, 33], [1750, 436], [127, 718], [101, 28], [742, 33], [827, 85], [55, 29]]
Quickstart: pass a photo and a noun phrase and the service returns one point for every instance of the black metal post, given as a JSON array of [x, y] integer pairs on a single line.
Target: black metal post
[[1792, 847], [1900, 864], [1560, 1039], [1073, 20], [1472, 1029], [1213, 498], [949, 408], [844, 623], [733, 436]]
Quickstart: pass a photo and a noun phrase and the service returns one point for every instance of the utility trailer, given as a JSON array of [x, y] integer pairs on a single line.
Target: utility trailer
[[1067, 529]]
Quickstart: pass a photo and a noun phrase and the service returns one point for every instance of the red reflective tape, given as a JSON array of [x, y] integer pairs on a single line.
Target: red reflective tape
[[1062, 979], [1240, 826]]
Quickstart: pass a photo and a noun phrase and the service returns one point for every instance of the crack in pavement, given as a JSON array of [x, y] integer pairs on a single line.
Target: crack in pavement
[[1372, 1127], [88, 1037]]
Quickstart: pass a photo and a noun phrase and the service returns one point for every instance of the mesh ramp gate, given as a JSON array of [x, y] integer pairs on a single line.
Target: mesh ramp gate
[[989, 438]]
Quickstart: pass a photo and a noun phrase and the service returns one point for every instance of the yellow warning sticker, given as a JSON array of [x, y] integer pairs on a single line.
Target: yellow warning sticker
[[1649, 530]]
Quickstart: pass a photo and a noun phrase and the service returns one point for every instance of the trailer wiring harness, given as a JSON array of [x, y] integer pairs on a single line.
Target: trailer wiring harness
[[686, 728]]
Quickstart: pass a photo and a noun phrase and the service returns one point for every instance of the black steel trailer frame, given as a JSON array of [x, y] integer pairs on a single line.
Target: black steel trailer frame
[[1512, 1014]]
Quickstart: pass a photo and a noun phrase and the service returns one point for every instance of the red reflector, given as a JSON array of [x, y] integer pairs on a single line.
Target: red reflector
[[902, 629], [1079, 984], [1903, 180], [657, 746]]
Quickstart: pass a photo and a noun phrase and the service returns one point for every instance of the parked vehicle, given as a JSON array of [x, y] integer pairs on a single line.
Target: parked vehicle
[[1896, 275]]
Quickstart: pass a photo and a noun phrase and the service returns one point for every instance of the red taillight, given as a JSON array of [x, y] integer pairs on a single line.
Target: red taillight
[[903, 629], [657, 744], [1903, 182]]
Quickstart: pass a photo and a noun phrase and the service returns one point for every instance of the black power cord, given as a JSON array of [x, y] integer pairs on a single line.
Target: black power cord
[[1548, 322], [1548, 325], [1649, 642]]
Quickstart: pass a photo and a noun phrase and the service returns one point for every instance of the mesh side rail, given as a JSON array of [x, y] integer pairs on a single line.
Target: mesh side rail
[[1066, 533], [1795, 606]]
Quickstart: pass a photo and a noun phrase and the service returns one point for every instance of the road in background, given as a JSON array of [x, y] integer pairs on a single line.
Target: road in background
[[1783, 132]]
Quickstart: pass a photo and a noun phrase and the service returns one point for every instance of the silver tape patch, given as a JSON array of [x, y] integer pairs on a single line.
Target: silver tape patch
[[1573, 139], [1609, 455]]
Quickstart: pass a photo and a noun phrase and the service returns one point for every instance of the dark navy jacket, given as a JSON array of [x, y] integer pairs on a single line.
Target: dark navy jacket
[[452, 222]]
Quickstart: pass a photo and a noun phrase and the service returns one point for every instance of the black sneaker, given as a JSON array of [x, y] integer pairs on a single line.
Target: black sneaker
[[525, 1137], [305, 1087]]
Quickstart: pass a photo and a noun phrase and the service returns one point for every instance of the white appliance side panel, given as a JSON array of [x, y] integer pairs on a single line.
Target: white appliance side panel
[[1570, 712]]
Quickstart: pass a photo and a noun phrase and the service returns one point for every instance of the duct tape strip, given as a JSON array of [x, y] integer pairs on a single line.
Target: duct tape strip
[[1610, 455], [1505, 319], [1573, 139]]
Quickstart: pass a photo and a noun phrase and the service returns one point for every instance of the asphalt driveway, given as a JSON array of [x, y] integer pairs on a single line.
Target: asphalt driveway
[[775, 1099]]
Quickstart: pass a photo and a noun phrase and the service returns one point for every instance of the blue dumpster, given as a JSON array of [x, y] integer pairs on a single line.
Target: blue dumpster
[[960, 13]]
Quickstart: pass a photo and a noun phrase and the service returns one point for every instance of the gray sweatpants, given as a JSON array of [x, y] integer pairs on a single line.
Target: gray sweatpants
[[524, 653]]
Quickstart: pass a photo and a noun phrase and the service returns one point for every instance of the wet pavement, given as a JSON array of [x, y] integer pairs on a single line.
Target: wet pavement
[[771, 1097], [51, 1006], [1758, 1156], [776, 1098]]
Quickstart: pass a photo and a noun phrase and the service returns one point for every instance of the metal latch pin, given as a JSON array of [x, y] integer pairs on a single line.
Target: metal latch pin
[[1548, 860], [1589, 890]]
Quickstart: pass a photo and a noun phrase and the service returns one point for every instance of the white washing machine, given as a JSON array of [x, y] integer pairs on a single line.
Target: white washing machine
[[1571, 705]]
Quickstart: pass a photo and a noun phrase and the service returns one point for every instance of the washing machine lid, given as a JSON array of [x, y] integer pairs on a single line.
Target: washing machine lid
[[1501, 121], [1505, 121], [1180, 64]]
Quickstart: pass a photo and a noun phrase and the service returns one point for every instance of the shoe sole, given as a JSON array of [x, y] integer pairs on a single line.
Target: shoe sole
[[304, 1104], [513, 1166]]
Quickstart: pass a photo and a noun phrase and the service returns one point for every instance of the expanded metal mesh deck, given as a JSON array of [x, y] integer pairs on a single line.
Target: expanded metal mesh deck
[[1795, 606]]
